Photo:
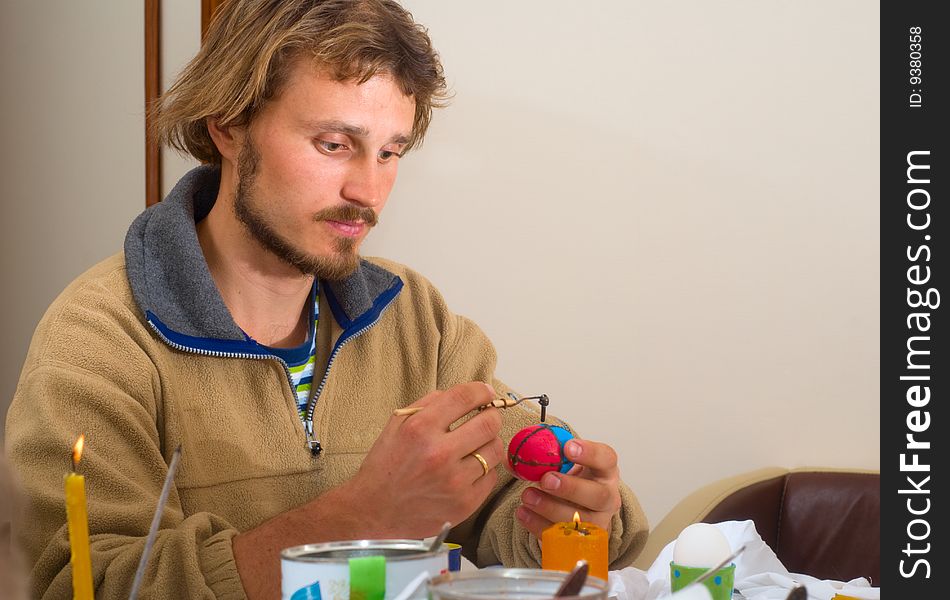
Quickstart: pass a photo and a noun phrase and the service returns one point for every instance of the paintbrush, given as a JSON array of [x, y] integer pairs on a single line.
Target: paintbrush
[[156, 519]]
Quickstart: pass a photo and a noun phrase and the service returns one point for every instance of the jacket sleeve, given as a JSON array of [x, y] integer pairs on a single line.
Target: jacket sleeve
[[494, 535], [85, 373]]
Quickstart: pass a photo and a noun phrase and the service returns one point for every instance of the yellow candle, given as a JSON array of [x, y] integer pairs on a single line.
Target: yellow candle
[[563, 544], [78, 529]]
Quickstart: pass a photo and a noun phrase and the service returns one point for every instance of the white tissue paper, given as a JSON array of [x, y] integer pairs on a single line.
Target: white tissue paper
[[759, 573]]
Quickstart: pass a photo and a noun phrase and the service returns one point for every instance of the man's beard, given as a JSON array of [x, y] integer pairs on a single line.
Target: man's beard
[[338, 266]]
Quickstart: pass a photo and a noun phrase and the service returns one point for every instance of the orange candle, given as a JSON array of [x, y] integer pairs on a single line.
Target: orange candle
[[78, 529], [563, 544]]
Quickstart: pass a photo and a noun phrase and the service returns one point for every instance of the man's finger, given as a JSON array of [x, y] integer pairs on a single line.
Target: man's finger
[[532, 521], [593, 494], [482, 487], [423, 402], [481, 429], [426, 400], [557, 510], [600, 459], [458, 401], [490, 453], [550, 508]]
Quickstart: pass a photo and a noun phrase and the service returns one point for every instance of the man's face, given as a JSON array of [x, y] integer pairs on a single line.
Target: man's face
[[317, 165]]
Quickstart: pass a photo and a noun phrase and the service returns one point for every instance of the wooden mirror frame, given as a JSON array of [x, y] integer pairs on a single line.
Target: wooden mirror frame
[[153, 88]]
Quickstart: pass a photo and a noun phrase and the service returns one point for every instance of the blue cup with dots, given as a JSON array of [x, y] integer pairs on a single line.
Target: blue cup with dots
[[719, 585]]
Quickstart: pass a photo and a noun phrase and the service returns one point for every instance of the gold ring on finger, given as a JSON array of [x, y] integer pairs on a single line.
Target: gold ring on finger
[[484, 462]]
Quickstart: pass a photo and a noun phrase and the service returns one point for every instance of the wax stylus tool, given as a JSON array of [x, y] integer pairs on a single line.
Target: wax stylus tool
[[508, 402], [543, 400]]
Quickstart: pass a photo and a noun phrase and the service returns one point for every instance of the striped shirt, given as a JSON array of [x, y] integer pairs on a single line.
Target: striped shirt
[[300, 360]]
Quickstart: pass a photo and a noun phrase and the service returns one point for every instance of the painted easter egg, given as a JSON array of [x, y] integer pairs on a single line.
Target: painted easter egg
[[535, 450]]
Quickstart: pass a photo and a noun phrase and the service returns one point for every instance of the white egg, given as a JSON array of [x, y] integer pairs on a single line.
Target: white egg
[[693, 592], [700, 545]]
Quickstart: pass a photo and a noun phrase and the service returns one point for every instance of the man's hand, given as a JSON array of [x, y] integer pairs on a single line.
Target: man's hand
[[419, 474], [592, 488]]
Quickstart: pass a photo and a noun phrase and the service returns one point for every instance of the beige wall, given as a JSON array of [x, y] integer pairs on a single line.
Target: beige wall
[[181, 35], [72, 172], [664, 214]]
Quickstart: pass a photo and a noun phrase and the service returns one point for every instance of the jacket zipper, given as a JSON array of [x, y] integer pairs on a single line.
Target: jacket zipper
[[312, 443]]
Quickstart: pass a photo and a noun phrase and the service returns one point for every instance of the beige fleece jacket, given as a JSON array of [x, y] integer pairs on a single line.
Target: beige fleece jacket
[[96, 367]]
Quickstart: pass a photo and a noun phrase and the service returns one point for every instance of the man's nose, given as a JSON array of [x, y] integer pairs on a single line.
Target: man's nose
[[364, 183]]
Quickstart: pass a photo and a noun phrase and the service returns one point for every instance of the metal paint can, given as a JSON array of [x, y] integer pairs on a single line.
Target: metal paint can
[[329, 564], [509, 584]]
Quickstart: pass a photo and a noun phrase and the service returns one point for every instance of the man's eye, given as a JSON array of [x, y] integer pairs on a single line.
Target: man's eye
[[331, 146], [386, 155]]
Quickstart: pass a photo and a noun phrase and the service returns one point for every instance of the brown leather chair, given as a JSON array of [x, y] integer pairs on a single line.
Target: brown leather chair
[[821, 522]]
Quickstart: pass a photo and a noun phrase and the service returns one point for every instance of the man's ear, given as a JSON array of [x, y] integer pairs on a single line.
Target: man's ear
[[228, 139]]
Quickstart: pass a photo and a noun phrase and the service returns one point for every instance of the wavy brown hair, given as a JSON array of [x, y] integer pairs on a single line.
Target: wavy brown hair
[[251, 46]]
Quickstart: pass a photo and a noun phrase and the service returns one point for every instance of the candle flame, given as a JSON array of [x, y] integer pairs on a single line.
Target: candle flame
[[577, 519], [77, 449]]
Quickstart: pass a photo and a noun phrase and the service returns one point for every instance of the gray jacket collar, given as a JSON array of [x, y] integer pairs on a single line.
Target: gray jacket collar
[[172, 285]]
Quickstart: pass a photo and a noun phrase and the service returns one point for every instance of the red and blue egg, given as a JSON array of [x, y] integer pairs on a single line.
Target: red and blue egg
[[538, 449]]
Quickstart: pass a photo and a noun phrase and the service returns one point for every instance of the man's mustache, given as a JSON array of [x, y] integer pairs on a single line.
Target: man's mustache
[[347, 212]]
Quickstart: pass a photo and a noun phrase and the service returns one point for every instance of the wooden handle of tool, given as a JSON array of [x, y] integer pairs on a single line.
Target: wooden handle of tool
[[496, 403]]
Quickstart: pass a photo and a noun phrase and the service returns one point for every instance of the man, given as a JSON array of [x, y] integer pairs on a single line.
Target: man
[[241, 324]]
